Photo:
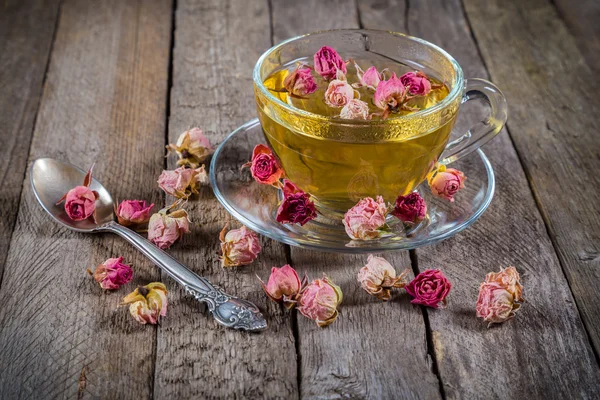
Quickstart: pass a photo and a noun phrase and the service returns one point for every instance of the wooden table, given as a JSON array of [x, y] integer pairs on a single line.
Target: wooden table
[[114, 81]]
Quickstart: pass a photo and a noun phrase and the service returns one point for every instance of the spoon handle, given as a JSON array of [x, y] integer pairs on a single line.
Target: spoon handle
[[228, 310]]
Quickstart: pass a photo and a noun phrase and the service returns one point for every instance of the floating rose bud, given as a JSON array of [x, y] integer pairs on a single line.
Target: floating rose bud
[[390, 95], [296, 207], [133, 212], [355, 109], [369, 78], [264, 166], [430, 288], [509, 279], [410, 209], [365, 220], [327, 62], [147, 303], [283, 285], [495, 304], [446, 182], [416, 83], [192, 147], [166, 226], [300, 82], [378, 276], [80, 202], [239, 246], [338, 93], [112, 273], [319, 301], [182, 182]]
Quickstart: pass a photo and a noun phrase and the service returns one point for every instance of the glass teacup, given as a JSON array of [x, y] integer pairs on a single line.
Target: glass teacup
[[340, 161]]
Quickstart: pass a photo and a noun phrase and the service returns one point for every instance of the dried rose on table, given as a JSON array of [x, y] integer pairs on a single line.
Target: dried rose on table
[[300, 82], [509, 279], [327, 62], [366, 219], [410, 209], [168, 225], [133, 212], [147, 303], [320, 300], [264, 167], [192, 147], [417, 83], [238, 246], [429, 288], [283, 285], [446, 182], [355, 109], [80, 202], [182, 182], [296, 207], [112, 273], [378, 276], [500, 296]]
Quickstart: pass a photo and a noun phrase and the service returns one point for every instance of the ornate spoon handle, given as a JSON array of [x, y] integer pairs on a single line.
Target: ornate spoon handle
[[228, 310]]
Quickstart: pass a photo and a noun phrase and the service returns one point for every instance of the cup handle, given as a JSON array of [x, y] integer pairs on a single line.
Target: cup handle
[[484, 130]]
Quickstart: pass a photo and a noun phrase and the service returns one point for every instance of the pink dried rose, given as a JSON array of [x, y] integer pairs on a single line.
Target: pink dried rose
[[378, 276], [166, 226], [192, 147], [238, 246], [112, 273], [495, 304], [327, 62], [365, 220], [390, 95], [510, 279], [300, 82], [319, 301], [147, 303], [410, 209], [429, 288], [182, 182], [446, 182], [133, 212], [355, 109], [264, 167], [417, 83], [338, 93], [284, 285], [296, 207], [369, 78], [80, 202]]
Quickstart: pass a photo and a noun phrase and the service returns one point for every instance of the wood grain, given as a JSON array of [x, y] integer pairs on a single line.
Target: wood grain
[[216, 46], [554, 107], [104, 101], [544, 351], [373, 350], [26, 31]]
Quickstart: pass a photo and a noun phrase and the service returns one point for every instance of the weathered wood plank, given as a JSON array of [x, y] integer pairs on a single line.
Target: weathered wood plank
[[554, 107], [104, 101], [26, 31], [544, 351], [216, 45], [373, 350]]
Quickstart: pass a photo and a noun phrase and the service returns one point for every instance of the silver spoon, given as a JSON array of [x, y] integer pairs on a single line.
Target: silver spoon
[[51, 179]]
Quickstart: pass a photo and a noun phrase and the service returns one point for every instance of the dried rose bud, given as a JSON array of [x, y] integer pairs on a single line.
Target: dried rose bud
[[445, 182], [283, 285], [495, 304], [378, 276], [410, 209], [182, 182], [365, 220], [300, 82], [133, 212], [327, 62], [147, 303], [390, 95], [319, 301], [192, 147], [264, 167], [355, 109], [166, 226], [417, 83], [369, 78], [430, 288], [338, 93], [509, 279], [296, 207], [80, 202], [112, 273], [239, 246]]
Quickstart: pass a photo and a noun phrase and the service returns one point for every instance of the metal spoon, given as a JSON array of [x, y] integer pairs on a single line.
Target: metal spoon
[[51, 179]]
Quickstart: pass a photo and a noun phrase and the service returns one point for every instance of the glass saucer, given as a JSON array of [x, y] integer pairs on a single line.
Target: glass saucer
[[255, 205]]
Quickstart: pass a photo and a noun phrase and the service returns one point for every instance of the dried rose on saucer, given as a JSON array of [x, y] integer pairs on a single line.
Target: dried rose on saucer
[[446, 182], [410, 209], [133, 212], [147, 303], [192, 147], [80, 202], [264, 167], [238, 246], [284, 285], [112, 273], [430, 288], [366, 219], [296, 207], [378, 276], [320, 300]]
